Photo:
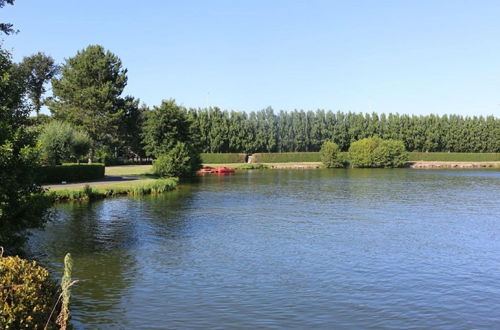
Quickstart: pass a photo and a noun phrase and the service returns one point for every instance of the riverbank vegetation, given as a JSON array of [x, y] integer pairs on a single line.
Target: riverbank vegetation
[[331, 156], [375, 152], [454, 157], [91, 192], [27, 295], [22, 204], [315, 157]]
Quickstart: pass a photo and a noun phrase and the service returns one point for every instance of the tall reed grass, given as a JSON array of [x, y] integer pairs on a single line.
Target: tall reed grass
[[138, 188]]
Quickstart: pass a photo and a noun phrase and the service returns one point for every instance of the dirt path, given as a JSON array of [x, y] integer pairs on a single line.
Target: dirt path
[[107, 179]]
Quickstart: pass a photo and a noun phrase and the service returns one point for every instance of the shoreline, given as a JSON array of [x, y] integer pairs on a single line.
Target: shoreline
[[88, 191], [451, 165], [136, 184]]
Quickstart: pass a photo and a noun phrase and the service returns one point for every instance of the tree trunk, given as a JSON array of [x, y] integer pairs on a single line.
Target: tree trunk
[[91, 155]]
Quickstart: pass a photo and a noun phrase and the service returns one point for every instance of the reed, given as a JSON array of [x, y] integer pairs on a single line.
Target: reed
[[135, 188]]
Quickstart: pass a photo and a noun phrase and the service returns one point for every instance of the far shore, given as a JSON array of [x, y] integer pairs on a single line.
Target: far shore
[[119, 175], [458, 165]]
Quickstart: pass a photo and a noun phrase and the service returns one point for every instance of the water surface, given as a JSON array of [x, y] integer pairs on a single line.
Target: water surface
[[296, 249]]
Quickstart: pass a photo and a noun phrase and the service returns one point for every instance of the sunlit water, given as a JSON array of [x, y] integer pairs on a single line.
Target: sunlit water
[[288, 249]]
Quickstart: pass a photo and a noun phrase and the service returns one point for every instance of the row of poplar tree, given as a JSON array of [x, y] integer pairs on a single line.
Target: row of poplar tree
[[298, 130]]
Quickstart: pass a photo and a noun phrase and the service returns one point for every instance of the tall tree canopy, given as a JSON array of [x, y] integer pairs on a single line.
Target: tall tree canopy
[[39, 69], [22, 205], [164, 127], [88, 94], [299, 130]]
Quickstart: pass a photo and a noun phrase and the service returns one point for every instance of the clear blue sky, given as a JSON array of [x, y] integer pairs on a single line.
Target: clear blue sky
[[404, 56]]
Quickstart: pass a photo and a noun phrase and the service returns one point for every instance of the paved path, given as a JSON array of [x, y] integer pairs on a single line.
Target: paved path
[[107, 179]]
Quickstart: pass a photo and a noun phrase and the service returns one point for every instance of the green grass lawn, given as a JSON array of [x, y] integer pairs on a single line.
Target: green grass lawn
[[130, 170]]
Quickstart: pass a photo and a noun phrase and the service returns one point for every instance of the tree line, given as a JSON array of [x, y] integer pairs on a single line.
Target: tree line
[[87, 93], [305, 131]]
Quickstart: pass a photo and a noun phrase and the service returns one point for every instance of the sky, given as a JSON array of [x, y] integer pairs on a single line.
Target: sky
[[406, 56]]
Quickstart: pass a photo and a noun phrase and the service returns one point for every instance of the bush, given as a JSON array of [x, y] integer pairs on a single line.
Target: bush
[[222, 158], [27, 294], [70, 173], [375, 152], [60, 141], [390, 153], [252, 166], [330, 155], [361, 152], [181, 161]]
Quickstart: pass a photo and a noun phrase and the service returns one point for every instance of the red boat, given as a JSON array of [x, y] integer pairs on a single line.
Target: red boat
[[207, 169], [223, 169]]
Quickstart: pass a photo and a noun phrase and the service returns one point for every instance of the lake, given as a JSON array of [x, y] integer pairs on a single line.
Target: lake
[[356, 248]]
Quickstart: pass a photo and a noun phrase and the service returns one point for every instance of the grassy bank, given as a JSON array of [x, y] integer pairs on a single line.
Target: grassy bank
[[132, 188], [305, 157], [129, 170], [453, 157]]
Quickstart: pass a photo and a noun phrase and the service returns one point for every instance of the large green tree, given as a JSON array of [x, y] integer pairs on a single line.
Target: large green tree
[[60, 141], [22, 204], [88, 94], [165, 125], [39, 69]]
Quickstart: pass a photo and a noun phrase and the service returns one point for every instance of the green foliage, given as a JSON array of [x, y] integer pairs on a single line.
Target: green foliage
[[22, 204], [252, 166], [225, 158], [361, 153], [330, 155], [60, 141], [305, 131], [39, 69], [390, 153], [375, 152], [132, 188], [70, 173], [454, 157], [27, 294], [287, 157], [180, 161], [88, 92], [164, 127]]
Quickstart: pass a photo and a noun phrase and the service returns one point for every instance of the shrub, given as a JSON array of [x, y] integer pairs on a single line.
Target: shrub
[[330, 155], [180, 161], [361, 152], [390, 153], [70, 173], [60, 141], [252, 166], [375, 152], [27, 294]]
